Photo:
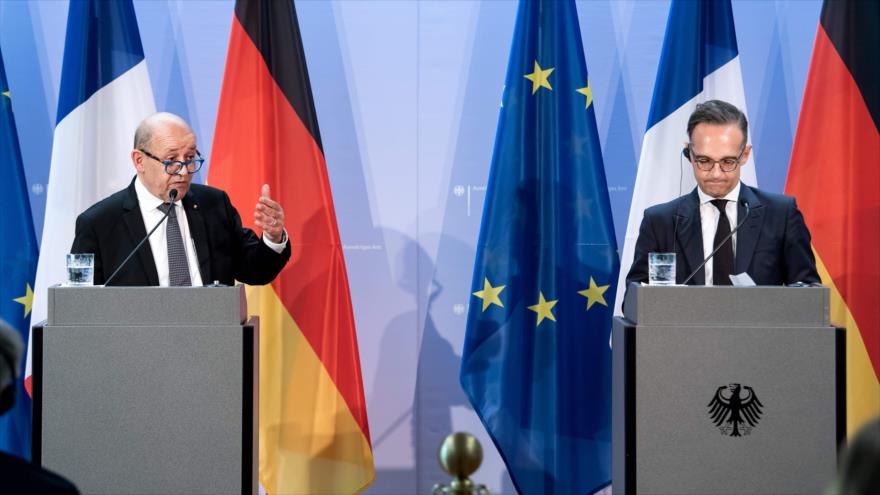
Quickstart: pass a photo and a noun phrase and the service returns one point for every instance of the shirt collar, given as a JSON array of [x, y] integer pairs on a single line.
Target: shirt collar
[[733, 195], [145, 198]]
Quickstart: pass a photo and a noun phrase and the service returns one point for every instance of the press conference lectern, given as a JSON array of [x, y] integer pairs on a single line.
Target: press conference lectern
[[726, 390], [147, 389]]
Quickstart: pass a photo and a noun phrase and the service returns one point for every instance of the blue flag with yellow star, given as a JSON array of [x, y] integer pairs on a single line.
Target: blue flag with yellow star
[[536, 363], [18, 266]]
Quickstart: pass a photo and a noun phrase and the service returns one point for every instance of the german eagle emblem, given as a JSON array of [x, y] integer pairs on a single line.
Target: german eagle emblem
[[735, 410]]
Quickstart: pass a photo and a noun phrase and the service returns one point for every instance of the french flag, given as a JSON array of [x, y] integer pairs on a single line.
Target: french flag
[[105, 93], [699, 62]]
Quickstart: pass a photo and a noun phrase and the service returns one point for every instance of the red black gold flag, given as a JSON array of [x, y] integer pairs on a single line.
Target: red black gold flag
[[835, 175], [314, 436]]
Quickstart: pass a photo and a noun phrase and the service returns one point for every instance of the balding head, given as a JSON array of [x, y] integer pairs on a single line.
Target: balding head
[[163, 137], [147, 128]]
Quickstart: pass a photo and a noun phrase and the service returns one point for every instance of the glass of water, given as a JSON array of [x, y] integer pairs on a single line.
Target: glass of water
[[80, 269], [661, 268]]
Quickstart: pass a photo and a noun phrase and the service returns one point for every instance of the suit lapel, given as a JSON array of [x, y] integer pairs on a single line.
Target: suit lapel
[[690, 235], [134, 221], [199, 233], [747, 235]]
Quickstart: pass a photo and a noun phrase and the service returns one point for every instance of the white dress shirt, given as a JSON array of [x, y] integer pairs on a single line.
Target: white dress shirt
[[709, 217], [151, 213]]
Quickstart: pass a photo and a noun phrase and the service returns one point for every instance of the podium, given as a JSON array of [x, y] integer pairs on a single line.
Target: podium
[[726, 390], [147, 389]]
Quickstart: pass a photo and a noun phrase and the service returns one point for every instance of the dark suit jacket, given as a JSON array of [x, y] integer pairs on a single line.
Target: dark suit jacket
[[226, 251], [772, 246]]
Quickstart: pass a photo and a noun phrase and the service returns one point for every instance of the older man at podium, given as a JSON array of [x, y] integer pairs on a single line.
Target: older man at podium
[[202, 239], [749, 230]]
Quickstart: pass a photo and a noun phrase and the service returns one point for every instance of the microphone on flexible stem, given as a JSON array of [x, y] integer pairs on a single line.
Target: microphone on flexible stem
[[172, 195], [729, 236]]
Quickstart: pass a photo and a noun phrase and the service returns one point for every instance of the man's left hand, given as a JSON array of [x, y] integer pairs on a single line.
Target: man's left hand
[[269, 217]]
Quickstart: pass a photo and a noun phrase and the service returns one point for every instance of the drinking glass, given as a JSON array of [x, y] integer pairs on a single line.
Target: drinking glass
[[661, 268], [80, 269]]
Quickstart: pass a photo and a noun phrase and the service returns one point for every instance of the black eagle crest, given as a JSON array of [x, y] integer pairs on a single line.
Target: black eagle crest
[[736, 412]]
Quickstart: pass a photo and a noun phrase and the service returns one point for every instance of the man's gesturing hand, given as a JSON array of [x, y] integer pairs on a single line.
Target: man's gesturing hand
[[269, 216]]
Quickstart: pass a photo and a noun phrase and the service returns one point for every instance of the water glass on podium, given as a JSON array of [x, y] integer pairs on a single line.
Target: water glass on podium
[[80, 269], [661, 268]]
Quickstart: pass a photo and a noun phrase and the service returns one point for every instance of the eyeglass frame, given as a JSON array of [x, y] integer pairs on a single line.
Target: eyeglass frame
[[198, 160], [692, 155]]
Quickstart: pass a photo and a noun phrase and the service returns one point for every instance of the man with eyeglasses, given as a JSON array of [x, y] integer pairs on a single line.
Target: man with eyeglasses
[[773, 244], [200, 242]]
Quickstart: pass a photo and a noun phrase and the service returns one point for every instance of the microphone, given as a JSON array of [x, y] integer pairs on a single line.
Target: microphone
[[172, 195], [729, 236]]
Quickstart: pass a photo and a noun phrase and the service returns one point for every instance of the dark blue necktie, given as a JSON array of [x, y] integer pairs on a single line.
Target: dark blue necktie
[[722, 263]]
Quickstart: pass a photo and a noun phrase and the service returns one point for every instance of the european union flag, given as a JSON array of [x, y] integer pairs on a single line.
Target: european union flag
[[537, 363], [18, 266]]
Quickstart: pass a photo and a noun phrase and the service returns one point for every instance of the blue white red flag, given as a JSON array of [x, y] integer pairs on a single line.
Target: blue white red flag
[[699, 62], [105, 93]]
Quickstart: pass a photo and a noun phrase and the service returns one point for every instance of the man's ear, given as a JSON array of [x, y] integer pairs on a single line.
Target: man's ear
[[746, 153], [137, 159]]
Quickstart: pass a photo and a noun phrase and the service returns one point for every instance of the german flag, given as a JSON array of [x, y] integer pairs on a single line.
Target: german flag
[[313, 430], [835, 174]]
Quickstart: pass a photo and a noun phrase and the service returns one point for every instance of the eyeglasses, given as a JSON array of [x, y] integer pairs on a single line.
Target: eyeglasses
[[173, 167], [706, 164]]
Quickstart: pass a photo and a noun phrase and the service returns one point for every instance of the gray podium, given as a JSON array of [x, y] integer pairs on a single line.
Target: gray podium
[[726, 390], [147, 389]]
